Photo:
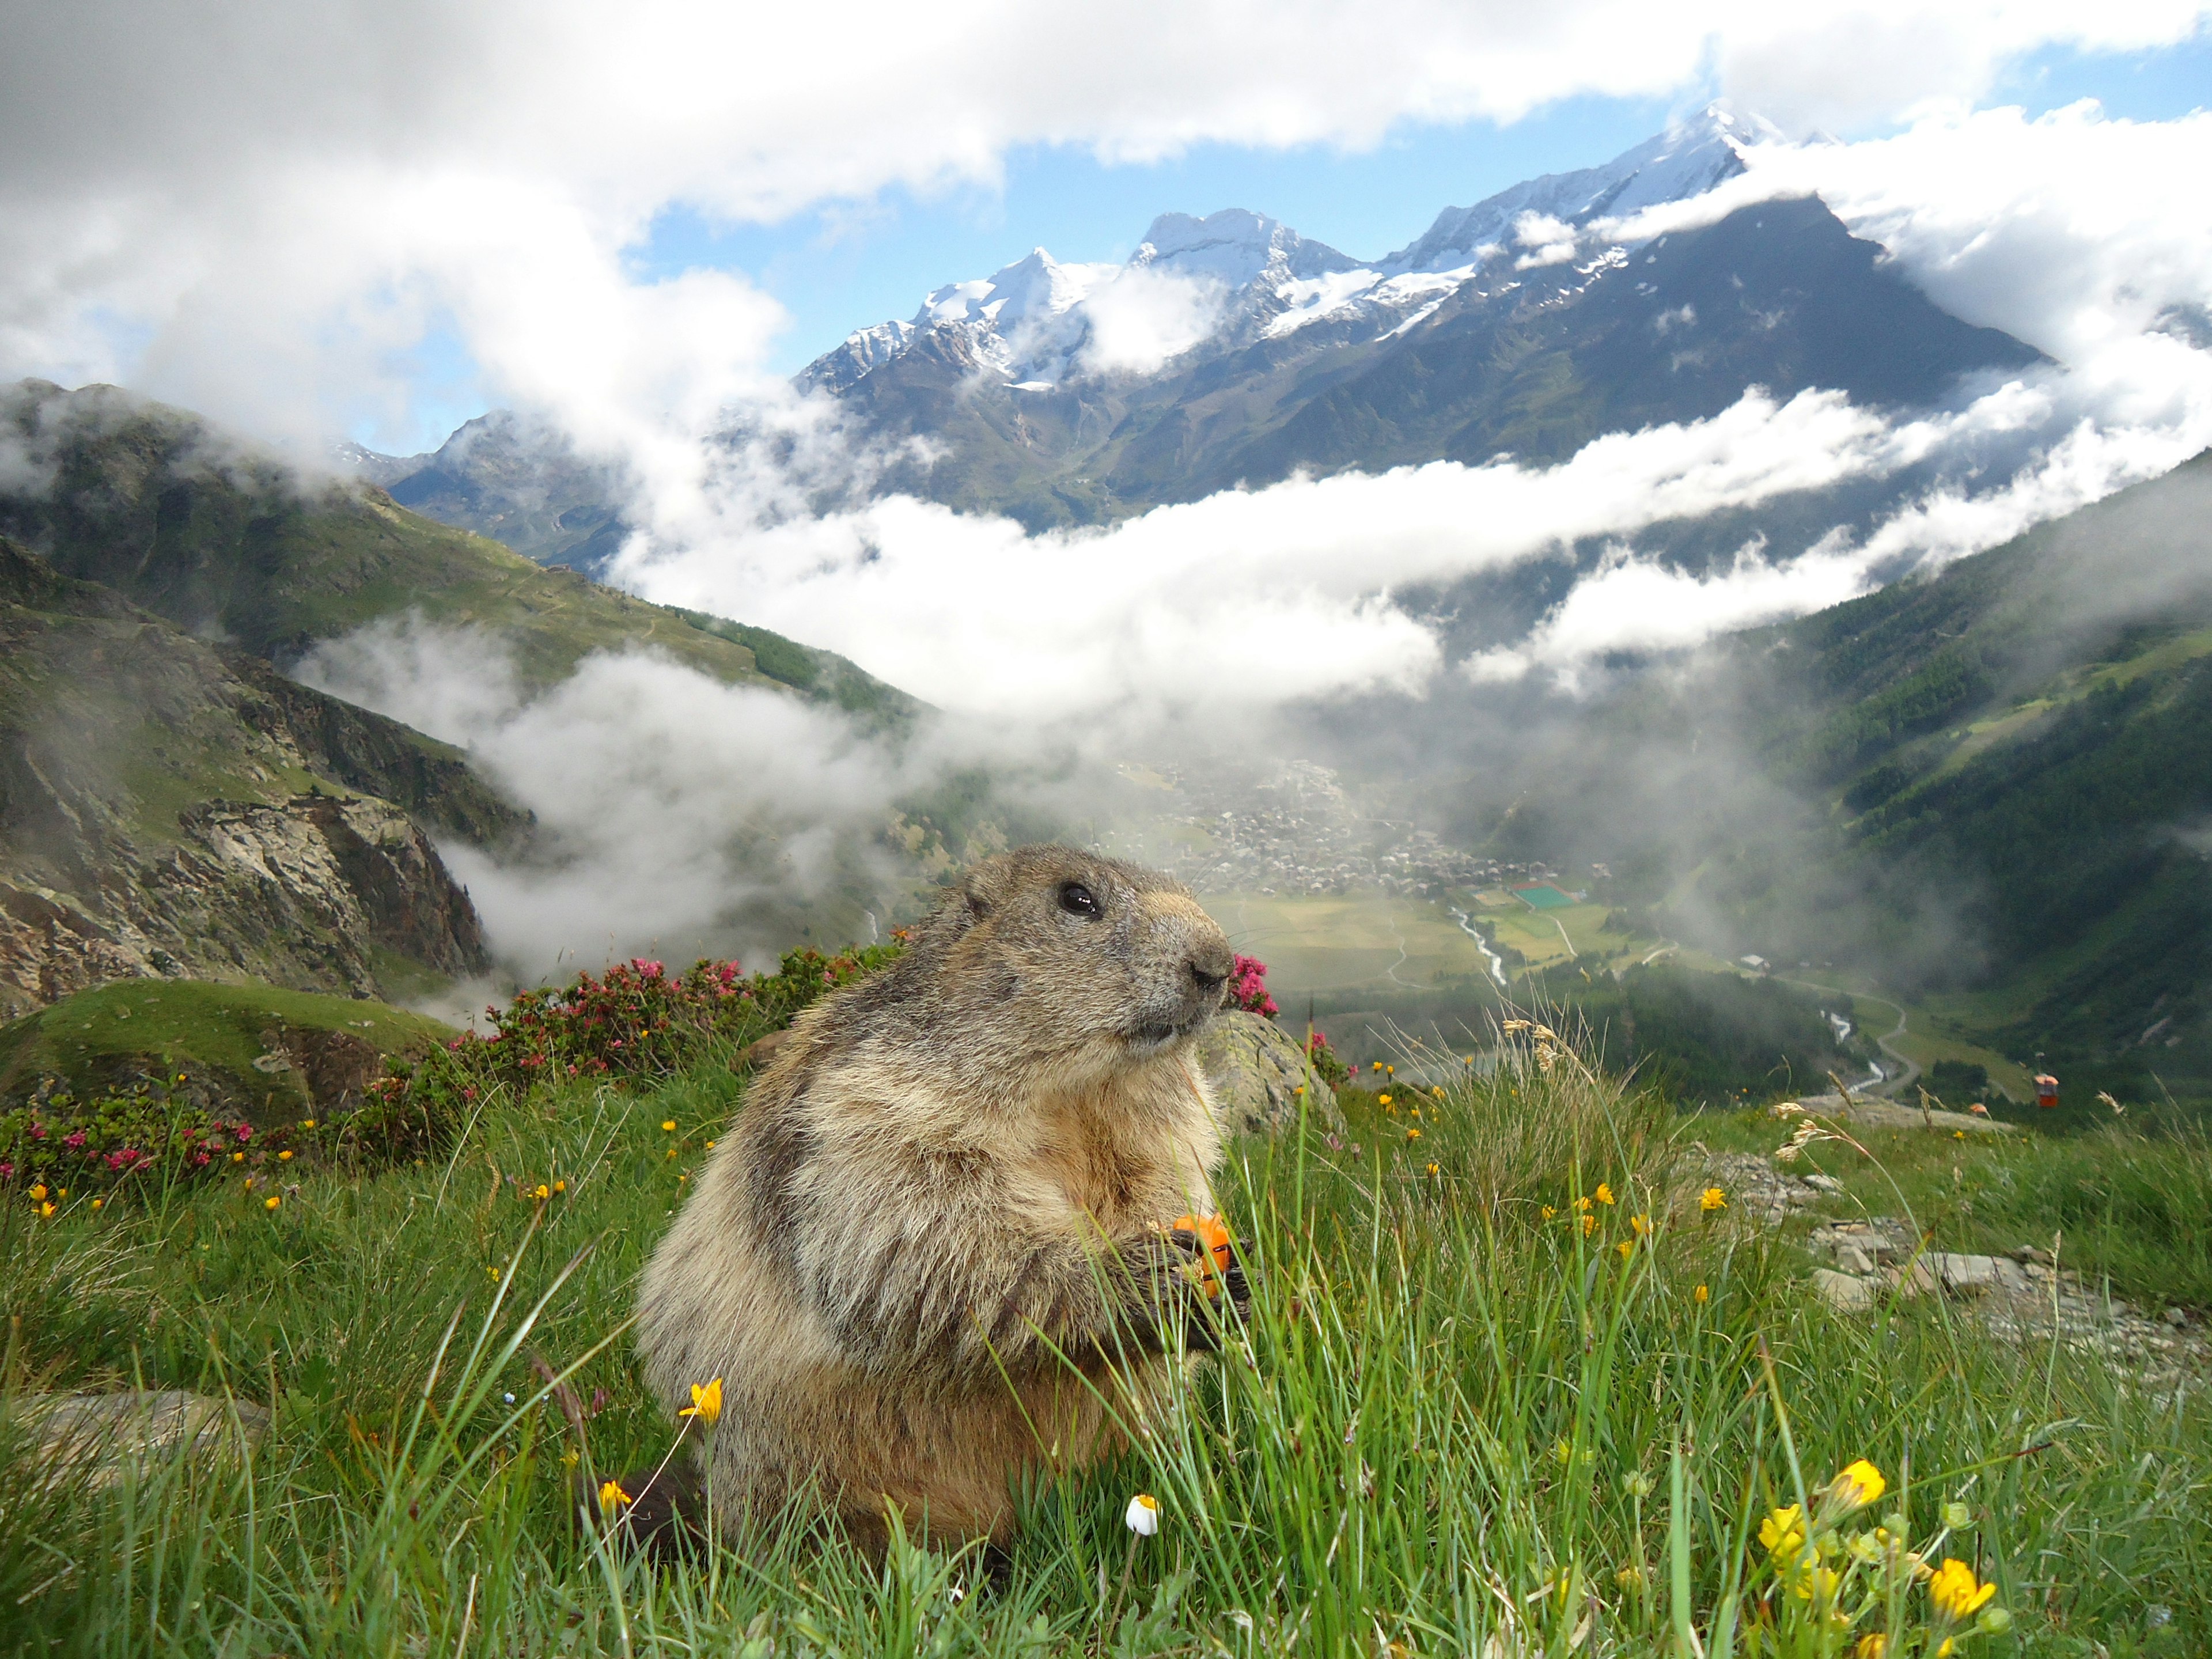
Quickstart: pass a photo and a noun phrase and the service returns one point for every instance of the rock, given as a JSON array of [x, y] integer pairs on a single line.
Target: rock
[[2175, 1317], [111, 1435], [2028, 1256], [1971, 1274], [1845, 1292], [1822, 1183], [1890, 1115], [1854, 1258], [1255, 1067], [1914, 1279], [1756, 1189]]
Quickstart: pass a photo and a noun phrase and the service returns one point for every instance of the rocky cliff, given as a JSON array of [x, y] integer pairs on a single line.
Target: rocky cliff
[[168, 809]]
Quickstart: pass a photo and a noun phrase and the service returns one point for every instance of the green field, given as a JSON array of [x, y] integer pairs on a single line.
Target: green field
[[1346, 942]]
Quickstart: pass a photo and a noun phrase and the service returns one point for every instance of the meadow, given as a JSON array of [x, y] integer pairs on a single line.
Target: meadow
[[1513, 1383]]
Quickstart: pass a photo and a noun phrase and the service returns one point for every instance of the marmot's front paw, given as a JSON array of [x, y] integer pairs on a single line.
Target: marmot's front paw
[[1215, 1279]]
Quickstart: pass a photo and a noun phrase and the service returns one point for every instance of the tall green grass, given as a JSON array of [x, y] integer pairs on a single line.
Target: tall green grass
[[1457, 1426]]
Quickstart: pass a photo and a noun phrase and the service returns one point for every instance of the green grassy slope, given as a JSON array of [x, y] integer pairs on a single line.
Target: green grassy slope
[[1449, 1407], [211, 1035], [232, 542]]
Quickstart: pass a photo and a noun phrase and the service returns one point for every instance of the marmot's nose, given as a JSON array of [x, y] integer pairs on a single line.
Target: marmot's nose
[[1210, 966]]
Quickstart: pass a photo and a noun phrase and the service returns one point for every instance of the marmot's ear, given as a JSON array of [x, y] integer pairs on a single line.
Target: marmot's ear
[[984, 887]]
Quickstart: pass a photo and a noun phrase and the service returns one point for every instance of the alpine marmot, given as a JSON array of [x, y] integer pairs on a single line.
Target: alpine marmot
[[934, 1253]]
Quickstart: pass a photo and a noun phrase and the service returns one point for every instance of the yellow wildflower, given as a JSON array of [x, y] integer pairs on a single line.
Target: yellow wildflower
[[1582, 1204], [545, 1192], [38, 1193], [1413, 1134], [271, 1201], [1549, 1212], [45, 1210], [1625, 1246], [706, 1403], [1382, 1100], [668, 1126], [1437, 1089], [1589, 1225], [1642, 1223], [560, 1186], [306, 1123], [671, 1151], [1783, 1533], [238, 1158], [1820, 1581], [1876, 1646], [1604, 1192], [96, 1203], [1712, 1199], [1957, 1594], [1434, 1171], [1859, 1485], [612, 1497], [284, 1156], [1701, 1294], [1630, 1579]]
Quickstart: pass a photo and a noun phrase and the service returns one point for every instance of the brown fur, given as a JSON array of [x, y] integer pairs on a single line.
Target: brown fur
[[935, 1236]]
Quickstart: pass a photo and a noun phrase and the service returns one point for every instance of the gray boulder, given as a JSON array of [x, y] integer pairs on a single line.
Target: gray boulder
[[1255, 1068], [111, 1435]]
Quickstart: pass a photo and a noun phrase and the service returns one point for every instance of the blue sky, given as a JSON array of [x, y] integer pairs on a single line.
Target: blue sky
[[843, 268]]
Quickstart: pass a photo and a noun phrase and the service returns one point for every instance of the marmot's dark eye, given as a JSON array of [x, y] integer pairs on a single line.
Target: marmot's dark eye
[[1076, 900]]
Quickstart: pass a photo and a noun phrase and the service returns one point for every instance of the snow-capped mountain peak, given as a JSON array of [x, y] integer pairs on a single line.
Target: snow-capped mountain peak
[[1034, 288], [1688, 159], [1235, 247], [1238, 276]]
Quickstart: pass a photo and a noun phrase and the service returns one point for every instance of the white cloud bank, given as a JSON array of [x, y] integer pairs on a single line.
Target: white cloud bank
[[676, 813], [262, 209]]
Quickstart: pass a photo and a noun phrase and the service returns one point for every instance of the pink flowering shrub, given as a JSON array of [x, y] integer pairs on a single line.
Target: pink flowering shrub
[[1248, 988], [1332, 1070], [146, 1134], [635, 1021]]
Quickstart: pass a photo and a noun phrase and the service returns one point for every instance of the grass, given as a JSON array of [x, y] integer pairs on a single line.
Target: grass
[[2132, 1212], [1458, 1426], [198, 1027]]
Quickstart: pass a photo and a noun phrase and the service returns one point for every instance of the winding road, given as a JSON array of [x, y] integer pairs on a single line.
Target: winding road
[[1887, 1085]]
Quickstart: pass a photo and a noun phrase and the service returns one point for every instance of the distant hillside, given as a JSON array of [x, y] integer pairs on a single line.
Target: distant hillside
[[229, 542], [2036, 723], [1989, 789], [169, 808]]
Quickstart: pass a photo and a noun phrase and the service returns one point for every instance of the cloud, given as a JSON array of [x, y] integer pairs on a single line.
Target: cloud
[[1143, 317], [265, 213], [674, 813], [1638, 606], [1247, 598]]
